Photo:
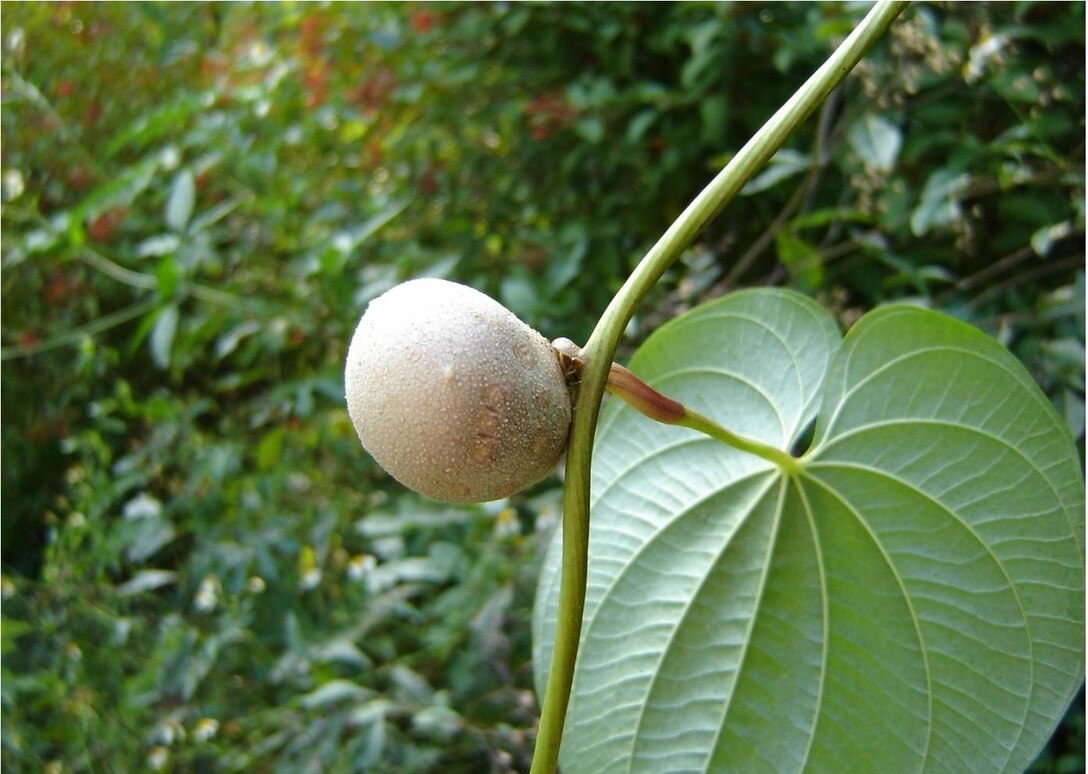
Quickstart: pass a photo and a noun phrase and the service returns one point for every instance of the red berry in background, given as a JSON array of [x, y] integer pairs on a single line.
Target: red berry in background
[[315, 83], [80, 177], [101, 228], [549, 113], [311, 36], [60, 287], [92, 113], [374, 153], [428, 182], [422, 21]]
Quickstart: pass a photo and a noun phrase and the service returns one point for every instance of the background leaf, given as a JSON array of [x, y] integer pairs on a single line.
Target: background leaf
[[161, 340], [179, 207], [877, 141], [940, 202], [911, 600], [784, 164]]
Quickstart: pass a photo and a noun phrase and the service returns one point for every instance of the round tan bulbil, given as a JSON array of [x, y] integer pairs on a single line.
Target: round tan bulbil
[[453, 395]]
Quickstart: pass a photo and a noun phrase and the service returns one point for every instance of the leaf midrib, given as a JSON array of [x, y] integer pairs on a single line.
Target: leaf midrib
[[915, 622]]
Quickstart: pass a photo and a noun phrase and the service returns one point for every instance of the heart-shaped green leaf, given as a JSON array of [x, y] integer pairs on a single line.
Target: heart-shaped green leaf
[[910, 599]]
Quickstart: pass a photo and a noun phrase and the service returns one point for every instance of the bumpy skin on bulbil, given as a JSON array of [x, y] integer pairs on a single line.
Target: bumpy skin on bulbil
[[453, 395]]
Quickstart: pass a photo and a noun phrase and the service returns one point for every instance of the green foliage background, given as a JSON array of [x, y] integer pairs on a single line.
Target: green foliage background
[[201, 568]]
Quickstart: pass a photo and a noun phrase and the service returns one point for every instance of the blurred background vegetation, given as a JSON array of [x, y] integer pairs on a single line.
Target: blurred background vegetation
[[202, 570]]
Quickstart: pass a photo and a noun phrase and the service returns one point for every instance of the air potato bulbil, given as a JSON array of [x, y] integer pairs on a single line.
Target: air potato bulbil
[[453, 395]]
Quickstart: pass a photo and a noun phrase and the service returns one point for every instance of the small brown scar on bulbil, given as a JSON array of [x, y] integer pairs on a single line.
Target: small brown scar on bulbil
[[488, 421], [524, 353], [541, 441]]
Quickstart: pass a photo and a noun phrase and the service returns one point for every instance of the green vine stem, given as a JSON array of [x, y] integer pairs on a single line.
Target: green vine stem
[[601, 348]]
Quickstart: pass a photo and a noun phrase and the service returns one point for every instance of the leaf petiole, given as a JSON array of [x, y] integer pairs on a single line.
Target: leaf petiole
[[647, 401]]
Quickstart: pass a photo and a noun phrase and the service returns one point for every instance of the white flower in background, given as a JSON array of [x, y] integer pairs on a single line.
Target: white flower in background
[[171, 730], [360, 565], [205, 729], [506, 524], [157, 758], [13, 184], [170, 157], [546, 520], [256, 584], [142, 506], [984, 54], [16, 42], [309, 572], [259, 53], [207, 596], [76, 520], [310, 578], [7, 588]]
